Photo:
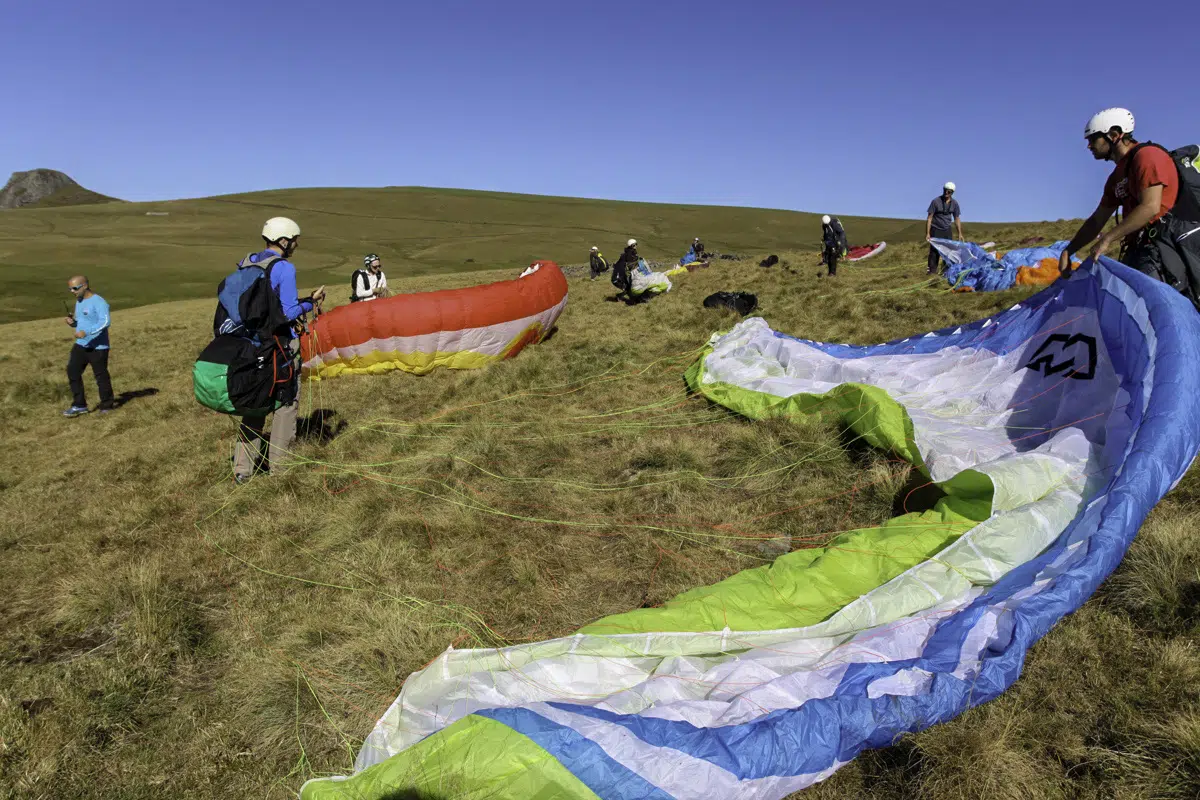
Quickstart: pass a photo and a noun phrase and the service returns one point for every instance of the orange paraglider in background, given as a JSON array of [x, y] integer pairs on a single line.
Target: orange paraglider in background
[[454, 328]]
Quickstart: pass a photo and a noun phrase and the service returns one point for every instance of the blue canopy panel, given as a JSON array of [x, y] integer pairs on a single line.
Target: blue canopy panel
[[972, 267]]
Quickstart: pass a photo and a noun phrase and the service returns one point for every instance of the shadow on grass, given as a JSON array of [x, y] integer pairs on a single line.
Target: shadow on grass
[[621, 297], [125, 397], [323, 425]]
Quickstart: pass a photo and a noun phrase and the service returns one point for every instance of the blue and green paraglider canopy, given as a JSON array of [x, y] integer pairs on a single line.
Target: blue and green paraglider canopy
[[1052, 429]]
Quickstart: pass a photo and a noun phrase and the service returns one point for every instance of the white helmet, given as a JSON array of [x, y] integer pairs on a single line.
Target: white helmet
[[825, 220], [950, 185], [696, 239], [280, 228], [631, 243], [594, 248], [1108, 119]]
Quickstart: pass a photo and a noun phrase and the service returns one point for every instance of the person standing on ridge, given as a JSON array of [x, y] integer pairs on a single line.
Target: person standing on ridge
[[598, 264], [1160, 229], [369, 282], [833, 242], [90, 321], [943, 211], [282, 237]]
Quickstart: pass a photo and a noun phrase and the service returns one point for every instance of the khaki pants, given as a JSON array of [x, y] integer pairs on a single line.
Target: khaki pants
[[283, 434]]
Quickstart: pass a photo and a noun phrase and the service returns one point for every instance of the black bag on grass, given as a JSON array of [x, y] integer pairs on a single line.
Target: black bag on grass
[[741, 302]]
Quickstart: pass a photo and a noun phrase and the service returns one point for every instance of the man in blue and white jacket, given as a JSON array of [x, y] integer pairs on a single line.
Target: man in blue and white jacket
[[90, 321]]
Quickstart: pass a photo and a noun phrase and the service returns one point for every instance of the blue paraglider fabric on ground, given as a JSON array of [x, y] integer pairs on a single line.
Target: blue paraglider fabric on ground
[[972, 267]]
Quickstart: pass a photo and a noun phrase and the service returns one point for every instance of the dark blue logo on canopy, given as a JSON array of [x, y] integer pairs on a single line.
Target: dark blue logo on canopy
[[1061, 352]]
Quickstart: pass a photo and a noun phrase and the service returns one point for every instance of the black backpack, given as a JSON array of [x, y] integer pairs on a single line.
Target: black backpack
[[622, 277], [233, 375], [833, 234], [741, 302], [1187, 165], [247, 305], [246, 369], [366, 282], [1169, 249]]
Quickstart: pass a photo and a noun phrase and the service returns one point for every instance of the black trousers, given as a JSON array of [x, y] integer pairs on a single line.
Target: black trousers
[[934, 255], [831, 258], [78, 362]]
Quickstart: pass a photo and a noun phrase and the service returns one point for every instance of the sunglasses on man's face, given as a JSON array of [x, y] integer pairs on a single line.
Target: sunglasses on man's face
[[75, 288]]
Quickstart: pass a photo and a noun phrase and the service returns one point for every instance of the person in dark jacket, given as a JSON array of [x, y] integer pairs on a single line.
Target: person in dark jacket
[[942, 212], [833, 242], [622, 274], [698, 248], [598, 264]]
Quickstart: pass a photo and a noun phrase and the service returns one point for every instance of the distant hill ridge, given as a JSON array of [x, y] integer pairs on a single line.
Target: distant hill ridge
[[44, 188]]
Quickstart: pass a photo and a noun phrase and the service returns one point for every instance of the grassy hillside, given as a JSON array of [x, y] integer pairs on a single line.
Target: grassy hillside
[[73, 196], [134, 259], [167, 634]]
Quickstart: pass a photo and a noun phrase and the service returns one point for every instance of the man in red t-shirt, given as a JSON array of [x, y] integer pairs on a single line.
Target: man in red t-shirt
[[1144, 186]]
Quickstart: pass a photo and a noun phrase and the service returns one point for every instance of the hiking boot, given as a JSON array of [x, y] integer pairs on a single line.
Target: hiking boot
[[241, 480], [75, 411]]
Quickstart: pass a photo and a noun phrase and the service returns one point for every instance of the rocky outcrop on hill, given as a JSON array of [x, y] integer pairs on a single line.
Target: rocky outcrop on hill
[[46, 187]]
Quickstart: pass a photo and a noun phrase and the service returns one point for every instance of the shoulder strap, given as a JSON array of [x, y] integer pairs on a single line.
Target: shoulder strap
[[265, 265]]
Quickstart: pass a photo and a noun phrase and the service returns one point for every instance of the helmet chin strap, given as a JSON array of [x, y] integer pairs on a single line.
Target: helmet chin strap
[[286, 249]]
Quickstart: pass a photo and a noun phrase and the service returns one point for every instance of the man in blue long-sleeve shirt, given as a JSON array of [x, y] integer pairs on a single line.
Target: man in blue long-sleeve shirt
[[90, 321], [282, 236]]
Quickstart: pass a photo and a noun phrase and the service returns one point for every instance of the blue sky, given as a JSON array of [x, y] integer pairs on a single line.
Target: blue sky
[[846, 108]]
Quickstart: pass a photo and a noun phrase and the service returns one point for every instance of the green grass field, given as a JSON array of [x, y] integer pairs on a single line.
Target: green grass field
[[164, 633], [141, 259]]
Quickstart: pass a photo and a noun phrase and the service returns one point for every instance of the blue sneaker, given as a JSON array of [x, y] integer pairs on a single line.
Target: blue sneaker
[[75, 411]]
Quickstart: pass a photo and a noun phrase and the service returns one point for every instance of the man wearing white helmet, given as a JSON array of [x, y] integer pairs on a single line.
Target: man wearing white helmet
[[1144, 184], [598, 264], [943, 211], [698, 248], [622, 274], [282, 237], [833, 243]]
